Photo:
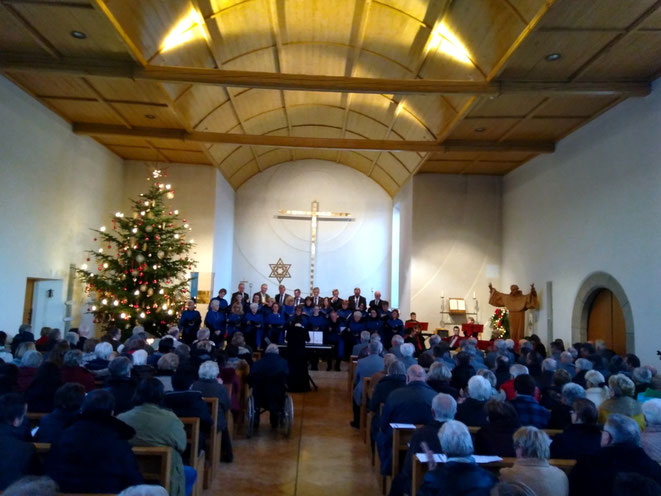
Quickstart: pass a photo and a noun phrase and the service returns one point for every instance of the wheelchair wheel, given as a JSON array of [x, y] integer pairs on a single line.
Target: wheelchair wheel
[[287, 418], [250, 417]]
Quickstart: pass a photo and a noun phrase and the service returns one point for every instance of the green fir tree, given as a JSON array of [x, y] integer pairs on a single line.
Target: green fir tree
[[139, 274]]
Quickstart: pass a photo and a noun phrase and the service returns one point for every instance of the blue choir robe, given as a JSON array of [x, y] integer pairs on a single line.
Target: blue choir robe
[[234, 323], [307, 310], [374, 325], [216, 323], [189, 324], [333, 336], [318, 323], [287, 310], [392, 327], [345, 314], [222, 304], [355, 328], [275, 323], [254, 327]]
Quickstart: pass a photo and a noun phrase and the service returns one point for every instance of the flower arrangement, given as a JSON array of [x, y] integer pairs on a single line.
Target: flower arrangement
[[500, 323]]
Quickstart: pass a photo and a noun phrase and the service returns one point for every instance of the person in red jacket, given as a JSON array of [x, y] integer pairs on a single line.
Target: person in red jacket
[[73, 370], [508, 387]]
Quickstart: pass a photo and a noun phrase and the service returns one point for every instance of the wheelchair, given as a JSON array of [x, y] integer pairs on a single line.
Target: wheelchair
[[272, 398]]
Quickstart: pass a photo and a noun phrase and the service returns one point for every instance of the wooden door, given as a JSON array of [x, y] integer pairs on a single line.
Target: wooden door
[[606, 321]]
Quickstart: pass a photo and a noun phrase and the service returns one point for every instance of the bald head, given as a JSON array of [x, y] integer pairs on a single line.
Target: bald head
[[415, 373]]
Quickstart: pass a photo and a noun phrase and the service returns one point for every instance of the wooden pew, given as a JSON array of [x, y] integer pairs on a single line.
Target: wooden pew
[[154, 462], [196, 458], [213, 440], [363, 408], [34, 419], [419, 468]]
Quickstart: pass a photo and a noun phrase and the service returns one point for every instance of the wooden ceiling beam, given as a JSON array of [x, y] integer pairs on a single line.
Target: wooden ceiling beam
[[305, 82], [310, 143]]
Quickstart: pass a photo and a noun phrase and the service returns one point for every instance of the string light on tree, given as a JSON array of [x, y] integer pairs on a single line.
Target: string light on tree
[[143, 280]]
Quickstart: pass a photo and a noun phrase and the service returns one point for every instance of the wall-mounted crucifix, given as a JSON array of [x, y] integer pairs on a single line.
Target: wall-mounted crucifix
[[314, 215]]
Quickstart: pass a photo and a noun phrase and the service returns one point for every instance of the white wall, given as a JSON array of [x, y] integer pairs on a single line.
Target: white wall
[[349, 253], [223, 242], [404, 199], [456, 244], [54, 186], [593, 205]]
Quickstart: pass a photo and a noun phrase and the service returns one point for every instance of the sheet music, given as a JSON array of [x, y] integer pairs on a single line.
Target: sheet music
[[442, 458], [316, 337], [402, 426]]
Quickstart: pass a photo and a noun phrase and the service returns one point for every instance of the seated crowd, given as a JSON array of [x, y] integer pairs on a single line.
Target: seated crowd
[[584, 403], [101, 397]]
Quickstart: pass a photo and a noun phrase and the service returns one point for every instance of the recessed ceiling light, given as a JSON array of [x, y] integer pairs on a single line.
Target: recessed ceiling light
[[150, 116], [480, 129], [79, 35], [552, 57]]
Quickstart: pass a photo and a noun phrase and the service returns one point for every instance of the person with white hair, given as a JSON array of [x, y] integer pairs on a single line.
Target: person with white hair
[[408, 350], [444, 408], [173, 333], [216, 321], [472, 412], [211, 386], [141, 370], [268, 377], [567, 363], [561, 412], [595, 387], [411, 404], [438, 378], [549, 366], [395, 343], [459, 474], [72, 338], [364, 341], [583, 365], [532, 468], [620, 452], [99, 366], [642, 377], [508, 387], [650, 438], [622, 401], [366, 367], [254, 326]]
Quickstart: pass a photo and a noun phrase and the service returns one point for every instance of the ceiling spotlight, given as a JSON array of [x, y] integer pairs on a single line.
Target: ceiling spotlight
[[79, 35], [480, 129], [552, 57], [150, 116]]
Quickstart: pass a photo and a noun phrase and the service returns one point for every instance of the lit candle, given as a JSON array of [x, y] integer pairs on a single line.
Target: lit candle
[[473, 294]]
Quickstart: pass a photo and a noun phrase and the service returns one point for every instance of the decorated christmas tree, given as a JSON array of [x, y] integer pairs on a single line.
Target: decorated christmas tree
[[139, 273]]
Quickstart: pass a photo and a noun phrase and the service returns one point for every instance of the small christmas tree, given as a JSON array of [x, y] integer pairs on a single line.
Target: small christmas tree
[[142, 264]]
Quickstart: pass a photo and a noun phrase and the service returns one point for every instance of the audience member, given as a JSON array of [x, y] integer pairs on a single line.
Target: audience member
[[502, 371], [495, 438], [530, 412], [472, 412], [582, 436], [140, 369], [24, 334], [567, 363], [583, 365], [463, 371], [365, 367], [30, 362], [508, 387], [408, 350], [68, 400], [549, 366], [396, 341], [121, 384], [439, 377], [632, 484], [460, 475], [268, 378], [40, 394], [561, 413], [595, 387], [532, 468], [642, 377], [620, 452], [187, 403], [552, 396], [99, 365], [166, 367], [650, 438], [32, 485], [93, 454], [73, 371], [622, 400], [17, 455], [8, 377]]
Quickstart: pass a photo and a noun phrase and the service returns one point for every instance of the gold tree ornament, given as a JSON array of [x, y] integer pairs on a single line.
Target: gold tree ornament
[[280, 270]]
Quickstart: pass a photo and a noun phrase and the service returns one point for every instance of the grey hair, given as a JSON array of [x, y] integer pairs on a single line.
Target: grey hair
[[652, 411], [439, 371], [203, 334], [365, 336], [573, 352], [517, 369], [173, 331], [407, 349], [375, 347], [208, 370], [621, 385], [455, 439], [622, 429], [32, 484], [566, 357], [397, 368], [533, 442], [272, 348], [434, 340], [137, 330], [72, 338], [375, 337], [479, 388], [415, 373], [120, 367], [73, 358], [397, 340], [549, 364], [489, 376], [215, 305], [642, 375], [500, 345], [32, 359], [594, 378], [509, 343], [139, 357], [103, 350], [144, 490], [388, 358], [169, 361], [254, 307], [358, 313], [444, 407], [572, 391], [583, 364]]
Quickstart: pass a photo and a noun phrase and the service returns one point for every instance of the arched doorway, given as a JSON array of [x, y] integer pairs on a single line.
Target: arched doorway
[[606, 321], [601, 298]]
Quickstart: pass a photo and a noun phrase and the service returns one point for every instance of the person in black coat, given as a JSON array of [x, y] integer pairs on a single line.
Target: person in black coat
[[620, 452], [463, 371], [40, 394], [355, 301], [561, 413], [93, 454], [68, 400], [582, 436], [472, 412], [121, 384], [8, 378], [395, 379], [296, 337], [444, 408], [438, 379], [495, 438], [17, 455], [268, 379]]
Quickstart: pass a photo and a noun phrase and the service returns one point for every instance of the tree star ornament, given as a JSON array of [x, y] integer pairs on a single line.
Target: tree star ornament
[[280, 270]]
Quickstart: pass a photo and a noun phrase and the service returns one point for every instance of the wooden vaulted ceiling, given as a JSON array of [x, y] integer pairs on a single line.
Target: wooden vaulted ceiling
[[389, 87]]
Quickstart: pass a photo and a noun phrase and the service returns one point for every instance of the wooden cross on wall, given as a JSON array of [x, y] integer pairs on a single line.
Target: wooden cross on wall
[[314, 215]]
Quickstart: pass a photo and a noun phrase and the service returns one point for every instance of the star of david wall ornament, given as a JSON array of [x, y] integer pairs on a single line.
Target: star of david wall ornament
[[280, 270]]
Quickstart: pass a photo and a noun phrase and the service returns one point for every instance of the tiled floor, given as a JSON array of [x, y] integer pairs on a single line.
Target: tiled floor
[[324, 455]]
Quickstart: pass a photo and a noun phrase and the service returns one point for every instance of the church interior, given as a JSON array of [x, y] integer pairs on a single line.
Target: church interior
[[421, 149]]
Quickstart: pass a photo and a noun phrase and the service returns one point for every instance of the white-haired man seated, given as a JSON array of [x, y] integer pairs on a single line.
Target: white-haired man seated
[[460, 474], [268, 378], [650, 438], [620, 452]]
